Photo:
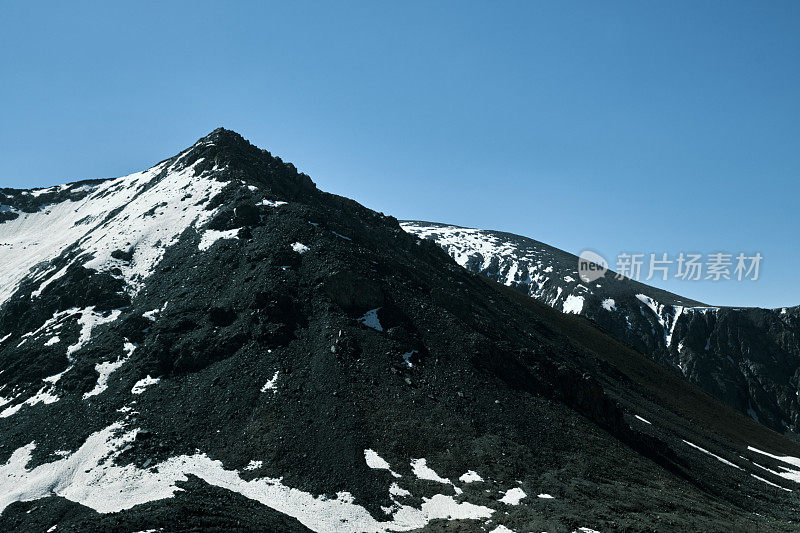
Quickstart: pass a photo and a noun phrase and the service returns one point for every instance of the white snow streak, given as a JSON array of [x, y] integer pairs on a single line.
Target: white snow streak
[[717, 457], [770, 483], [143, 383], [43, 396], [423, 471], [788, 473], [271, 203], [270, 385], [377, 462], [106, 368]]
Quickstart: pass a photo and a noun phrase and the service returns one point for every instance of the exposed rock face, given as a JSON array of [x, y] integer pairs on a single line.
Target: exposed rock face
[[216, 344], [748, 358]]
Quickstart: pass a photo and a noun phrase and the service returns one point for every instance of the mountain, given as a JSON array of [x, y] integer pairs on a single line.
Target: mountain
[[747, 357], [215, 344]]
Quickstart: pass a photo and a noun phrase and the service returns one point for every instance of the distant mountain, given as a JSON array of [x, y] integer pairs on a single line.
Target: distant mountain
[[749, 358], [215, 344]]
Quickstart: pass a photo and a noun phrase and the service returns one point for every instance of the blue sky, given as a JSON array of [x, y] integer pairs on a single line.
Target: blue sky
[[616, 126]]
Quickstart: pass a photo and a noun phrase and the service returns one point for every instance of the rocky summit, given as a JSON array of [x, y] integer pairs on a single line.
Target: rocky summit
[[215, 344]]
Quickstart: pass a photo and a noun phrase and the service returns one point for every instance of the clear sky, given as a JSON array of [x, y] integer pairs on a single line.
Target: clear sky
[[619, 126]]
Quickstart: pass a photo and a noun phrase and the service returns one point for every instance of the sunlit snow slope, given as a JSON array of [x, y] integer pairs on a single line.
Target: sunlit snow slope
[[141, 214]]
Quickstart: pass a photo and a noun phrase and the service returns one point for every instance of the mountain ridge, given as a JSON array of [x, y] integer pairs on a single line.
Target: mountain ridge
[[259, 354], [747, 357], [697, 303]]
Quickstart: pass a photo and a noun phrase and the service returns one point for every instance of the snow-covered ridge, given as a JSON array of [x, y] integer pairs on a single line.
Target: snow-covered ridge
[[463, 243], [507, 262], [141, 214], [549, 274]]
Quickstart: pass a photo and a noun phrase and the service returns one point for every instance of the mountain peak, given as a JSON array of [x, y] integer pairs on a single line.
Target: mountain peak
[[223, 136], [222, 140], [213, 343], [224, 148]]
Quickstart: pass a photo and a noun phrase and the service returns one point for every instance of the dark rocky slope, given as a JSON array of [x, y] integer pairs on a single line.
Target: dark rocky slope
[[749, 358], [309, 365]]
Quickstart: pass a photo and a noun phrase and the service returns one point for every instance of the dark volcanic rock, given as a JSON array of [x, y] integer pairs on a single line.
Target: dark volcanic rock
[[221, 346]]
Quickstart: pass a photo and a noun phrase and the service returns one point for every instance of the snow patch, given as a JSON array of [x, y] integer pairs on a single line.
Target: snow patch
[[678, 312], [107, 368], [43, 396], [513, 496], [153, 314], [470, 477], [377, 462], [370, 319], [573, 304], [254, 465], [210, 236], [89, 476], [421, 469], [143, 383], [271, 203], [299, 247], [397, 490], [446, 508], [609, 304], [788, 473], [53, 340], [271, 384], [89, 320], [144, 213]]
